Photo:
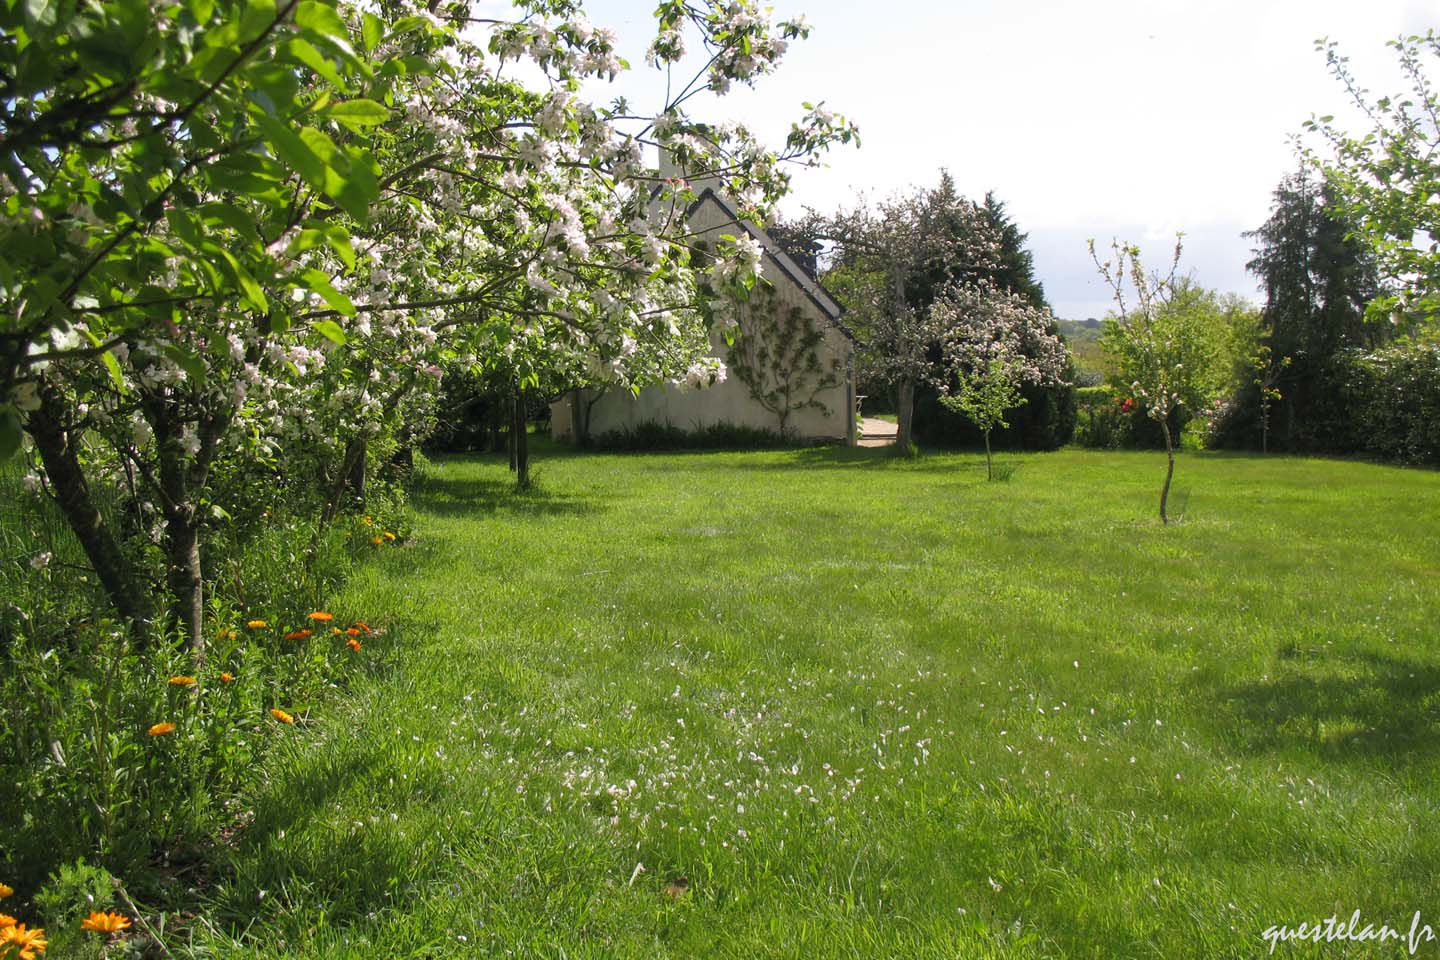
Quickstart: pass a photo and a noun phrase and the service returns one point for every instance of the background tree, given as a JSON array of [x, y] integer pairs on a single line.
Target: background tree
[[1047, 418], [1318, 280], [891, 261], [1385, 178]]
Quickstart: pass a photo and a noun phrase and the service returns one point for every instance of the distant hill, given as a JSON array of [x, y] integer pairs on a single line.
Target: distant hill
[[1083, 338]]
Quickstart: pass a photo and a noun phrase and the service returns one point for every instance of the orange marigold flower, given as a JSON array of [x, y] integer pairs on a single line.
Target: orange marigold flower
[[6, 891], [7, 921], [160, 729], [320, 616], [182, 681], [389, 535], [377, 540], [297, 634], [281, 715], [29, 942], [256, 624], [106, 922], [353, 644], [362, 626], [352, 631], [227, 677]]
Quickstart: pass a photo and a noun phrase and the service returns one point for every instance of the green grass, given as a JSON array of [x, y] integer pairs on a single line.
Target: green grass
[[869, 708]]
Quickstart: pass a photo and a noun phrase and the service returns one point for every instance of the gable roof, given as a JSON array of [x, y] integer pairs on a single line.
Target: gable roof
[[797, 274]]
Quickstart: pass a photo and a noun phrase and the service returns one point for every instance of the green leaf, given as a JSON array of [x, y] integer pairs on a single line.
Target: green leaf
[[358, 114], [39, 13], [193, 366], [305, 52], [321, 18], [372, 31], [248, 287], [339, 239], [113, 366], [9, 432], [293, 151], [110, 362], [318, 282], [230, 216], [331, 331]]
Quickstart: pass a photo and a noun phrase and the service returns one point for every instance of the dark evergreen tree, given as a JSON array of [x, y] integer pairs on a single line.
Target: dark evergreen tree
[[1017, 265], [1318, 279]]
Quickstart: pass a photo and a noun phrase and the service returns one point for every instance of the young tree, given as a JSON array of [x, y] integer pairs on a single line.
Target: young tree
[[993, 343], [1159, 356]]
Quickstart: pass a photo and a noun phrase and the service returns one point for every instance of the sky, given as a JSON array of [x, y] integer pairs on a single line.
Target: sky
[[1107, 118]]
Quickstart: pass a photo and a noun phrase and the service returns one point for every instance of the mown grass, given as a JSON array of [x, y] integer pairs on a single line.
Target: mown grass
[[868, 708]]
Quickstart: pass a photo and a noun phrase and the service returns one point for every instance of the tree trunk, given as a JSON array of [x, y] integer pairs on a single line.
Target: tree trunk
[[72, 494], [905, 415], [182, 532], [522, 443], [989, 467], [186, 584], [356, 453], [1169, 470]]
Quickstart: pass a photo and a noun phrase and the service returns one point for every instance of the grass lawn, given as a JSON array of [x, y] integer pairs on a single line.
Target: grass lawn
[[868, 708]]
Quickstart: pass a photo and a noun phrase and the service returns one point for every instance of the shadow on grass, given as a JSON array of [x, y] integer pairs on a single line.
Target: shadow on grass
[[848, 458], [1362, 707], [445, 496]]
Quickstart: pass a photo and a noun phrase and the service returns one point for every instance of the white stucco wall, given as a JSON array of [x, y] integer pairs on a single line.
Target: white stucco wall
[[730, 402]]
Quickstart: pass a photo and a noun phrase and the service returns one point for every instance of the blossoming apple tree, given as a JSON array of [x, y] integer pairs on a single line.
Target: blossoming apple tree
[[1157, 350], [244, 237], [993, 342]]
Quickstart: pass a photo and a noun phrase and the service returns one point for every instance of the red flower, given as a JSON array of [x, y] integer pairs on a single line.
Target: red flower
[[1127, 405]]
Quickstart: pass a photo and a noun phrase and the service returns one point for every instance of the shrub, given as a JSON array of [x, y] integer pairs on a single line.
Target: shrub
[[1046, 421], [1384, 403], [652, 435], [1394, 398], [1103, 422]]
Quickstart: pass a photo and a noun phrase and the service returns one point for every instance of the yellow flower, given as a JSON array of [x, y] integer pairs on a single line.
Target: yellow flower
[[106, 922], [389, 535], [226, 635], [160, 729], [377, 540], [182, 681], [227, 677], [257, 624], [7, 921], [367, 521], [6, 891], [281, 715], [29, 942], [320, 616]]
